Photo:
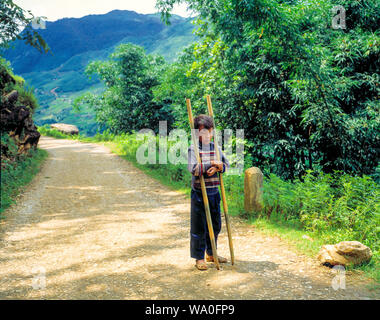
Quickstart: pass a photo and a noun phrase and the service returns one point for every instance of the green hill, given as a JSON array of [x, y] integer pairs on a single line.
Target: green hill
[[58, 77]]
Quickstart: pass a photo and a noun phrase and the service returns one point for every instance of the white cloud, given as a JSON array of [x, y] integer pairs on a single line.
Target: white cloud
[[57, 9]]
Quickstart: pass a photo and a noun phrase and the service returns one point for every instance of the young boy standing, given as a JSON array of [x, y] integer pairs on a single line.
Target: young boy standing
[[199, 235]]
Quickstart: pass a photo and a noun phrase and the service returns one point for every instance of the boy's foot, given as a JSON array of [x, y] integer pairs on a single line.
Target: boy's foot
[[211, 259], [201, 264]]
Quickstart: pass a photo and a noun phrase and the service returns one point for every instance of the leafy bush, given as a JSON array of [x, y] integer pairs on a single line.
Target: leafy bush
[[127, 103], [335, 207]]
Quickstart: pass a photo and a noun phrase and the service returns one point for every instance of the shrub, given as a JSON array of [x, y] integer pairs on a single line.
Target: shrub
[[335, 207]]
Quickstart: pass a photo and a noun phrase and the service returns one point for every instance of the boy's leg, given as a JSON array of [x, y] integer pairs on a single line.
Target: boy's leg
[[198, 227], [214, 201]]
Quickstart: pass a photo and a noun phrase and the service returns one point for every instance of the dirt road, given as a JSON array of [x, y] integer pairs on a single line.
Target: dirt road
[[92, 226]]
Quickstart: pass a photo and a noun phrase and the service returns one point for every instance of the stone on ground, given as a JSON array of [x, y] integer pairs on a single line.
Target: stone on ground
[[344, 253], [65, 128]]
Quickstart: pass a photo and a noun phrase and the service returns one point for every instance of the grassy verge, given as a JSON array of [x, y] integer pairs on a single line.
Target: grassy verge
[[15, 176], [323, 208]]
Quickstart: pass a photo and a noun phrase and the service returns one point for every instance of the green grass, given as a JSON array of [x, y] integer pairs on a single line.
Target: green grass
[[286, 221], [15, 176]]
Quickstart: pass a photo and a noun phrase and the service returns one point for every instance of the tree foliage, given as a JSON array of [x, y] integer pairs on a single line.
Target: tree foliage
[[305, 94], [127, 103], [12, 19]]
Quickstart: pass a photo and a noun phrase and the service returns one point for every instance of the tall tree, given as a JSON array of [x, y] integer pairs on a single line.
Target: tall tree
[[127, 104]]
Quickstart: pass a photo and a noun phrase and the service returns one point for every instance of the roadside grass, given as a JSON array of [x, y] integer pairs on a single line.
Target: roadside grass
[[294, 226], [15, 176]]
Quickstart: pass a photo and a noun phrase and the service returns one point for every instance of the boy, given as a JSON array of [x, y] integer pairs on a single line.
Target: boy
[[199, 235]]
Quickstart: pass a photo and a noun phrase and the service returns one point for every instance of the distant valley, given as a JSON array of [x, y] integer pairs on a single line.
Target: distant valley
[[58, 77]]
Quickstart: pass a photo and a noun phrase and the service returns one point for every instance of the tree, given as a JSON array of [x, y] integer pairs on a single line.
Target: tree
[[127, 104], [12, 19]]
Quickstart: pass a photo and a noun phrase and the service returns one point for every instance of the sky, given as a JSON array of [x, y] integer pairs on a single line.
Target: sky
[[58, 9]]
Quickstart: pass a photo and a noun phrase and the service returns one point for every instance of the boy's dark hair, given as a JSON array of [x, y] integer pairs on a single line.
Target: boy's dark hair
[[203, 120]]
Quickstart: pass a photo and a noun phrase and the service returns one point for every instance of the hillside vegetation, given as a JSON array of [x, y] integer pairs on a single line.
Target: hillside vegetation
[[58, 77]]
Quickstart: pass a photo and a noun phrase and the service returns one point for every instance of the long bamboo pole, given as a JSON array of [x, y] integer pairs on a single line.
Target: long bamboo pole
[[225, 207], [203, 187]]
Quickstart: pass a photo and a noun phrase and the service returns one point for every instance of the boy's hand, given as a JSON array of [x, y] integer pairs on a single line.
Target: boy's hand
[[211, 171], [218, 165]]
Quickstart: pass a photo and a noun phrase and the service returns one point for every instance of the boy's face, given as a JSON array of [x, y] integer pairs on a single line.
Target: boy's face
[[205, 135]]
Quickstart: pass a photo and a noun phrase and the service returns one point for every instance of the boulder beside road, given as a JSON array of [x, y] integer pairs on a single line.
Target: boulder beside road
[[65, 128], [344, 253]]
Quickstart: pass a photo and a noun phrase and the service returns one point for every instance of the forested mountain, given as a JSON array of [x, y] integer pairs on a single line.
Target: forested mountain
[[70, 37], [58, 76]]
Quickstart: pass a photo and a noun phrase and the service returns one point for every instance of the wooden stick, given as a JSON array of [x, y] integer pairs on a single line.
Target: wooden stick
[[225, 207], [203, 187]]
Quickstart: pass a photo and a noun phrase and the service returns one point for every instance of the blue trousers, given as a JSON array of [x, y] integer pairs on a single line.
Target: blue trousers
[[199, 235]]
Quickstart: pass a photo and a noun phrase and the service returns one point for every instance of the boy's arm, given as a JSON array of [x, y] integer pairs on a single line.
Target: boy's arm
[[193, 165]]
